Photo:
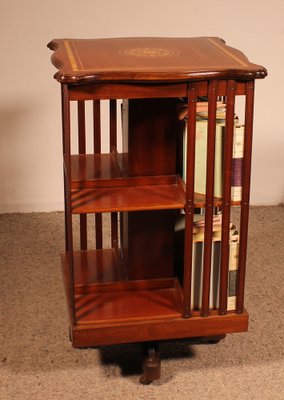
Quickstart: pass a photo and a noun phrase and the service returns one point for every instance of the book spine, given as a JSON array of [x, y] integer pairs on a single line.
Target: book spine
[[201, 157], [232, 276], [237, 161], [197, 273]]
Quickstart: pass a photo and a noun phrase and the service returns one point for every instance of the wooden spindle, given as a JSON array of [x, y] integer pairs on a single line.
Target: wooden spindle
[[209, 205], [81, 127], [97, 126], [113, 149], [65, 127], [229, 137], [189, 205], [97, 150], [82, 150], [66, 132], [113, 126], [245, 195]]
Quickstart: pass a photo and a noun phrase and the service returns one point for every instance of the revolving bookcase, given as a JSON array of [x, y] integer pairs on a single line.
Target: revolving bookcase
[[139, 285]]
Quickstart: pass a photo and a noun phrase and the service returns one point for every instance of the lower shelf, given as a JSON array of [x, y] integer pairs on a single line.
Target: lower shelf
[[110, 309], [129, 304], [103, 292], [94, 267]]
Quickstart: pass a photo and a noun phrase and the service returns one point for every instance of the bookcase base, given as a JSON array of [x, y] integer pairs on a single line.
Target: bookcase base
[[155, 330]]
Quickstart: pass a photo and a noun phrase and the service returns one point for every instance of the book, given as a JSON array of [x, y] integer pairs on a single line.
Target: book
[[201, 154], [202, 110], [232, 275], [197, 273], [200, 187], [198, 256], [237, 162], [200, 158]]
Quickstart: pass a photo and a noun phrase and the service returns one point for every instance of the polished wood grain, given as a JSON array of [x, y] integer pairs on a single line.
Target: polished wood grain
[[87, 170], [131, 292], [148, 197], [155, 231], [92, 171], [95, 267], [110, 90], [149, 59], [149, 137], [128, 305], [151, 127], [129, 90], [159, 329]]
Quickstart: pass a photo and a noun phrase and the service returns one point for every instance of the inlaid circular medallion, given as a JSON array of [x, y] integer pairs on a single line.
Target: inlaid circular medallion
[[149, 52]]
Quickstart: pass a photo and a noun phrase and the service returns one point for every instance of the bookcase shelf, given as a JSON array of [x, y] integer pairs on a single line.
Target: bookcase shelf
[[103, 292], [93, 267], [144, 286], [88, 170], [135, 198], [100, 183]]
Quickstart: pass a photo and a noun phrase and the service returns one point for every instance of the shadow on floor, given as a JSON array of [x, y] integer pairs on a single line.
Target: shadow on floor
[[129, 357]]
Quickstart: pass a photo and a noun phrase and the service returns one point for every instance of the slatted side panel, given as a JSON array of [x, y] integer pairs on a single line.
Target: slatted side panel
[[81, 111], [229, 90]]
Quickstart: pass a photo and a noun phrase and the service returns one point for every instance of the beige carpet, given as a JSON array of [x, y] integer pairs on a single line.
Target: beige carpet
[[38, 362]]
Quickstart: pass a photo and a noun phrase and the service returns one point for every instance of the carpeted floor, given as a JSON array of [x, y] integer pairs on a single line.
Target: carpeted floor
[[38, 362]]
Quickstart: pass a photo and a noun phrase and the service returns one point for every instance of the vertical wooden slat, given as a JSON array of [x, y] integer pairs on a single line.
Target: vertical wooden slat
[[189, 205], [113, 148], [245, 194], [209, 205], [81, 127], [82, 150], [97, 150], [113, 125], [66, 132], [97, 126], [228, 145], [65, 111]]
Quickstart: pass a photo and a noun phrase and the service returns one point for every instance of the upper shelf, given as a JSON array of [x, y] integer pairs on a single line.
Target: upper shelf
[[99, 183], [149, 59]]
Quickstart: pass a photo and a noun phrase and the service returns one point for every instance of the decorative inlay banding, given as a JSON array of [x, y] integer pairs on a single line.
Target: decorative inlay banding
[[149, 52]]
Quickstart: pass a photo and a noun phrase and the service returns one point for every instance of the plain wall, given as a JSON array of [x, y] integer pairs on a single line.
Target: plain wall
[[30, 120]]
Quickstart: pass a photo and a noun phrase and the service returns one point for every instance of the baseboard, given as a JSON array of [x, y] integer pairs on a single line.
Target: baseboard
[[30, 207]]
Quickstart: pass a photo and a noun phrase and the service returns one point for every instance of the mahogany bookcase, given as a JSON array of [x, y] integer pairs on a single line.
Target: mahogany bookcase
[[132, 290]]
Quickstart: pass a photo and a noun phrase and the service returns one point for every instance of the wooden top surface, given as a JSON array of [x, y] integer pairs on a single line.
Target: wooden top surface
[[149, 59]]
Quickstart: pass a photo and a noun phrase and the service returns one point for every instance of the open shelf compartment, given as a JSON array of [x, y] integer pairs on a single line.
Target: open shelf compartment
[[89, 170], [99, 183], [103, 293]]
